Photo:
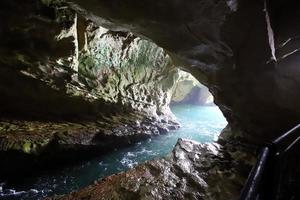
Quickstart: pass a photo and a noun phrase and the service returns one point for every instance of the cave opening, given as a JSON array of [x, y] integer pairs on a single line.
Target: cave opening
[[193, 107], [93, 102], [90, 88]]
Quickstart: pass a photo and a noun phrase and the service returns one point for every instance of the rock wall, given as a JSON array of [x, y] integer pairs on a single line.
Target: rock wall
[[188, 90], [67, 85], [191, 171], [236, 47], [246, 52], [122, 68], [77, 61]]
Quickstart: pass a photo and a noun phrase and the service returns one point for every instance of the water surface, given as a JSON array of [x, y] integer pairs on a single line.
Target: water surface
[[199, 123]]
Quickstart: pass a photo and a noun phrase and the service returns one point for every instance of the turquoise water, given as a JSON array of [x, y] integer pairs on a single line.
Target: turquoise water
[[198, 123]]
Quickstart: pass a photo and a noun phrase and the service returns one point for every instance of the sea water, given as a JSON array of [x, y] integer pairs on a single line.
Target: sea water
[[199, 123]]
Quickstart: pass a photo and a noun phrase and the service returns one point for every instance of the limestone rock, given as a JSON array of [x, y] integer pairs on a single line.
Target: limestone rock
[[246, 52], [188, 90], [68, 85], [191, 171]]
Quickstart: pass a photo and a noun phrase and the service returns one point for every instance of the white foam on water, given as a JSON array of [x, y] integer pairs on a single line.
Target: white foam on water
[[128, 162], [204, 126], [131, 154]]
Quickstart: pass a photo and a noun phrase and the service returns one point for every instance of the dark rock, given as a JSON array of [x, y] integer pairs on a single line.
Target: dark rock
[[41, 145], [60, 66], [192, 171], [163, 130], [230, 46], [173, 127], [76, 87]]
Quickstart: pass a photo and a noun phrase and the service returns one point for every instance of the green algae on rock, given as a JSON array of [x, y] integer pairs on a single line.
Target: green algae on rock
[[122, 68], [55, 75], [78, 65], [76, 86]]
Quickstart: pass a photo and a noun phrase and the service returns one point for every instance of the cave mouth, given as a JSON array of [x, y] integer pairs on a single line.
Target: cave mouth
[[193, 106], [81, 85], [104, 92], [201, 120]]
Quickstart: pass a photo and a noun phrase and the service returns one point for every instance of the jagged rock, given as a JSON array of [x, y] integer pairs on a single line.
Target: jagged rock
[[79, 66], [219, 40], [78, 86], [188, 90], [246, 52], [191, 171], [32, 141]]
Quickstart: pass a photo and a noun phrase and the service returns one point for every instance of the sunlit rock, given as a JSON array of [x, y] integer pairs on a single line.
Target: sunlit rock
[[84, 75], [69, 85], [246, 52], [188, 90]]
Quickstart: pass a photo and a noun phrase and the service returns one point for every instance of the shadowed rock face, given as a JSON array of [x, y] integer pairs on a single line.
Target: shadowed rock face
[[77, 63], [69, 85], [245, 52], [229, 45], [52, 69]]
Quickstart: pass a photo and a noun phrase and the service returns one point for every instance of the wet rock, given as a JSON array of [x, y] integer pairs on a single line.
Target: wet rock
[[79, 69], [191, 171], [173, 127], [163, 130], [76, 87], [39, 144], [246, 52]]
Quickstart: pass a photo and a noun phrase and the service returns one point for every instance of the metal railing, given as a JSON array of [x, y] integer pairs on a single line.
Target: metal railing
[[265, 181]]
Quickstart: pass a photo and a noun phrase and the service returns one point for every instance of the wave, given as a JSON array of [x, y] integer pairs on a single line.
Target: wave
[[128, 163]]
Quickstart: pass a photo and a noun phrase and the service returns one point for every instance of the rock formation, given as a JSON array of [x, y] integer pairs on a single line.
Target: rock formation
[[77, 86], [78, 74], [191, 171], [246, 52], [188, 90]]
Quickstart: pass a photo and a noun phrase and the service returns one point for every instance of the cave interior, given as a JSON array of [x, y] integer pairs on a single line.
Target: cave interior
[[82, 78]]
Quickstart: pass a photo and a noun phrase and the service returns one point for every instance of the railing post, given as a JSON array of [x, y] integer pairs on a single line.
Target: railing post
[[274, 158], [251, 189]]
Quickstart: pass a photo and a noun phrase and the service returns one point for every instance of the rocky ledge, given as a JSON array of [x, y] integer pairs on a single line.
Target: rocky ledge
[[78, 87], [191, 171], [44, 143]]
